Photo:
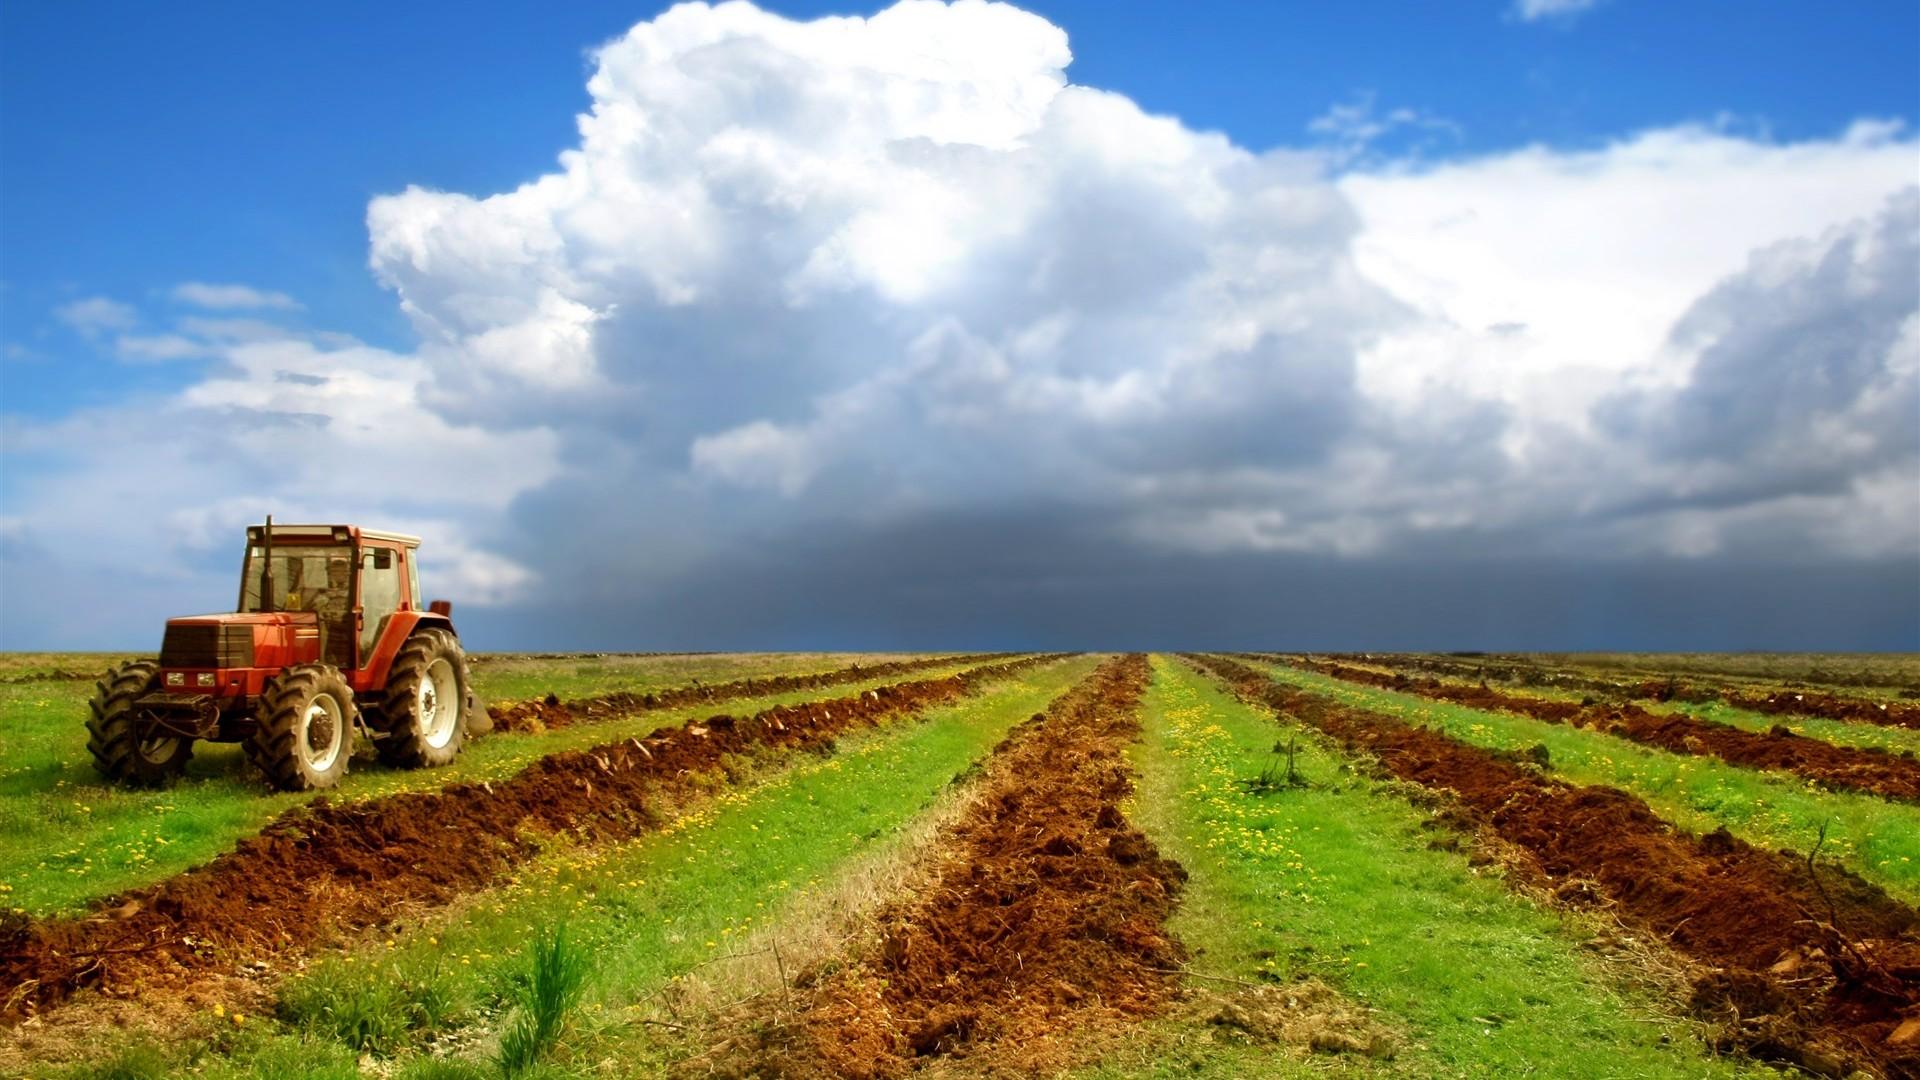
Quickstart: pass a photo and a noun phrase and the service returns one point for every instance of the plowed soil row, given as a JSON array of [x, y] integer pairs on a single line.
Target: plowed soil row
[[323, 870], [1818, 968], [1814, 703], [1046, 913], [536, 716], [1792, 703], [1843, 768]]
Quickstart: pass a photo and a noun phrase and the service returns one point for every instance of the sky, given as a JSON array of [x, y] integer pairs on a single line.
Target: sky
[[1522, 324]]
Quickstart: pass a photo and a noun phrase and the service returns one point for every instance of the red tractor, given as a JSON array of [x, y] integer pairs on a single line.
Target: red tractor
[[329, 637]]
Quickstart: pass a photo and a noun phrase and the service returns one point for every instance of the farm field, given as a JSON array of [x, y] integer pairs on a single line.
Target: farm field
[[842, 865], [76, 839]]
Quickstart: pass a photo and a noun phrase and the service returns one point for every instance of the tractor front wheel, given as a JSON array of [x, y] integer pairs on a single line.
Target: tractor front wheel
[[304, 734], [424, 714], [114, 740]]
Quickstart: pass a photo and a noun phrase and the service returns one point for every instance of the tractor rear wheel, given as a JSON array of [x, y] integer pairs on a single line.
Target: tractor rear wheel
[[304, 731], [113, 738], [424, 715]]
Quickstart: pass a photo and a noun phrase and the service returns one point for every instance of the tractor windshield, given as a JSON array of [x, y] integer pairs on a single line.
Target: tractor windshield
[[306, 577]]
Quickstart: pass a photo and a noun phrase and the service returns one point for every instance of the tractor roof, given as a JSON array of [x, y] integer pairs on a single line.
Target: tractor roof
[[289, 531]]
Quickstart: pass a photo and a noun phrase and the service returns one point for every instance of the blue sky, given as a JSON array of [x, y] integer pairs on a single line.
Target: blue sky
[[144, 148]]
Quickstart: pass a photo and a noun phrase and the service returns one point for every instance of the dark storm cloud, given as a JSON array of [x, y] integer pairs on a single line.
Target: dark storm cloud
[[1806, 357], [1043, 579]]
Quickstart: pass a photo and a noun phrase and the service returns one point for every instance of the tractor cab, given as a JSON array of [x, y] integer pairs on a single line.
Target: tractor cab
[[337, 581], [329, 615]]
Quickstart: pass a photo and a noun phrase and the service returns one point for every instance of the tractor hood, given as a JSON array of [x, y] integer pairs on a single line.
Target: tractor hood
[[241, 639]]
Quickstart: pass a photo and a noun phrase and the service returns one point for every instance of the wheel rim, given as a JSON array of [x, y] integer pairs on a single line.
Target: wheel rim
[[322, 733], [439, 704], [157, 751]]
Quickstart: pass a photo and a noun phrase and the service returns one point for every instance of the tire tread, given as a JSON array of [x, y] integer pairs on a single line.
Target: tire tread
[[402, 745], [270, 747]]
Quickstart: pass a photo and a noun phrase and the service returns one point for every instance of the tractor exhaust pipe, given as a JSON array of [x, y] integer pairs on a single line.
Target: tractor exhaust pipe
[[266, 566]]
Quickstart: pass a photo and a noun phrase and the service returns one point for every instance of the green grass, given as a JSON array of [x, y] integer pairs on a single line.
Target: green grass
[[39, 667], [1337, 881], [73, 838], [1878, 839], [653, 911]]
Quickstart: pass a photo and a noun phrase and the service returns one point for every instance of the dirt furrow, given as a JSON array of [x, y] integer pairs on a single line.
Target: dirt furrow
[[1815, 966], [542, 715], [1793, 703], [1790, 702], [1842, 768], [1044, 916], [324, 870]]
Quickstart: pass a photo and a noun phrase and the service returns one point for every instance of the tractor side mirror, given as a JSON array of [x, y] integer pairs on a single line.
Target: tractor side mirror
[[441, 607]]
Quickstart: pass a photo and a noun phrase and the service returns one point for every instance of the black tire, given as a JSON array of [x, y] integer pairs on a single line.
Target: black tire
[[304, 734], [118, 752], [428, 676]]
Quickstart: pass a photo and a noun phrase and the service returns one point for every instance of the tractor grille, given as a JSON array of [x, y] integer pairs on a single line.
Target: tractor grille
[[207, 647]]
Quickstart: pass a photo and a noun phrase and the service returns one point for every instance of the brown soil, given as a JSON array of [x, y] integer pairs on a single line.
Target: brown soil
[[541, 715], [1820, 971], [325, 870], [1842, 768], [1795, 702], [1043, 921]]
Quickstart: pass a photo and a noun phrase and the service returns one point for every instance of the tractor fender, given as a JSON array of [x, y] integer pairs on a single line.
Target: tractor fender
[[399, 627]]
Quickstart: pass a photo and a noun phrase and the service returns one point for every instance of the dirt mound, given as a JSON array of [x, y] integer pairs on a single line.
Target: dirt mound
[[1799, 702], [542, 715], [1834, 950], [1843, 768], [1046, 914], [326, 869], [1829, 706]]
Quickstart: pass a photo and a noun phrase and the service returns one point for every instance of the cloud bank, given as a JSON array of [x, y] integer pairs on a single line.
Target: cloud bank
[[890, 303]]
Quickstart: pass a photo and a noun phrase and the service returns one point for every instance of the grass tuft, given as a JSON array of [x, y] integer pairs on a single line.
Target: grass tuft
[[556, 978], [441, 1069], [140, 1062], [365, 1016], [1272, 778]]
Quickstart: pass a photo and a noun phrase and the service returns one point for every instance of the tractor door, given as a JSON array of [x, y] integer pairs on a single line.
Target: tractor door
[[380, 593]]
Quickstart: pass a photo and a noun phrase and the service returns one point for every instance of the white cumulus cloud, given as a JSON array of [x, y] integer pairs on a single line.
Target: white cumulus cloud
[[846, 277]]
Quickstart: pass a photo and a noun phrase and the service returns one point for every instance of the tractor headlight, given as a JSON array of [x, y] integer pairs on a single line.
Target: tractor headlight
[[175, 678], [205, 678]]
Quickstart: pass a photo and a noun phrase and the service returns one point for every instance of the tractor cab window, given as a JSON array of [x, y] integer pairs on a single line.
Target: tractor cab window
[[308, 577], [305, 578], [379, 593]]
